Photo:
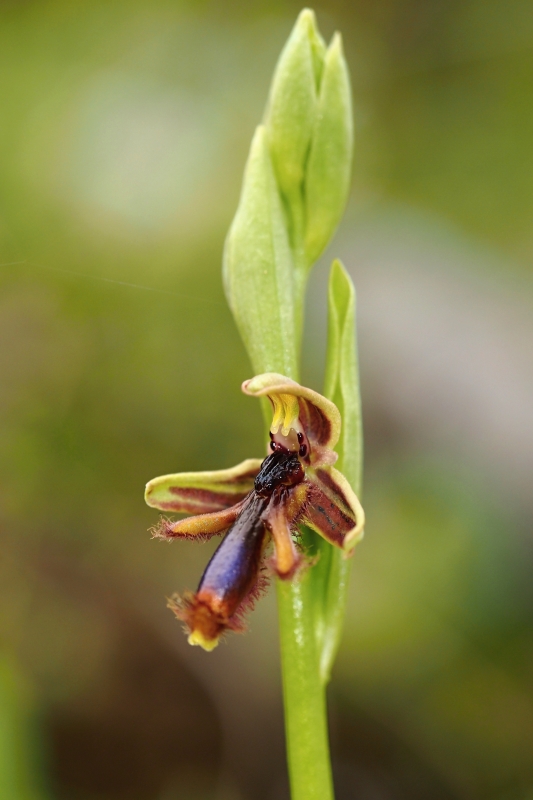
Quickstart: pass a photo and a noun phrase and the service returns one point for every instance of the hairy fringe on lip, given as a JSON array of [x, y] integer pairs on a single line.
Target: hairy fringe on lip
[[196, 614]]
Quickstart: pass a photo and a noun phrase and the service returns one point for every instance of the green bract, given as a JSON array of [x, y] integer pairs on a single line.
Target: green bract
[[341, 386], [258, 267]]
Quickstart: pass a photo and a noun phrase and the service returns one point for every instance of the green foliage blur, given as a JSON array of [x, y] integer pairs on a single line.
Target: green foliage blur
[[123, 135]]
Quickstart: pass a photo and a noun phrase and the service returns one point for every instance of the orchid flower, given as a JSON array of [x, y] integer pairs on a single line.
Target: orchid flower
[[258, 502]]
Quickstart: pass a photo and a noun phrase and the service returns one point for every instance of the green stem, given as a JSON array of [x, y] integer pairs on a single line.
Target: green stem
[[296, 225], [303, 694]]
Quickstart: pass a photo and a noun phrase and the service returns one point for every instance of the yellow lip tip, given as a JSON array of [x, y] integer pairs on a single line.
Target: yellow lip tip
[[196, 638]]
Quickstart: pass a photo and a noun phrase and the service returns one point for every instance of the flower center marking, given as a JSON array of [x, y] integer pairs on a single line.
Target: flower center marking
[[286, 410]]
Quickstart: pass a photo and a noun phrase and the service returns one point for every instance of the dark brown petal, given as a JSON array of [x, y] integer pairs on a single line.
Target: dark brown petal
[[315, 423]]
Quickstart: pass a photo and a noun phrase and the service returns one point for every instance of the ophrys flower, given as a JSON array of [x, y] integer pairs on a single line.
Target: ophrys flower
[[258, 502]]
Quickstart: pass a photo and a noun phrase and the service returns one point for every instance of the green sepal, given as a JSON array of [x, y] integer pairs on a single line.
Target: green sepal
[[328, 169], [341, 386], [258, 267], [292, 105]]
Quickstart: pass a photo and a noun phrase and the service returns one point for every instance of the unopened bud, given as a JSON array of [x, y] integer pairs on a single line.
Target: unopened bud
[[327, 179], [292, 104]]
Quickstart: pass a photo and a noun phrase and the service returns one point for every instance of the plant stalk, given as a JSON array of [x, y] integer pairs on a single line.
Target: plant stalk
[[303, 695], [304, 692]]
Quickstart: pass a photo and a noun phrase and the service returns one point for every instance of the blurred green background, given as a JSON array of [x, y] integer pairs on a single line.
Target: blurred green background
[[124, 129]]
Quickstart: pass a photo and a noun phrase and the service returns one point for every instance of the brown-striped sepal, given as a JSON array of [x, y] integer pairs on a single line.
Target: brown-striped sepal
[[202, 492]]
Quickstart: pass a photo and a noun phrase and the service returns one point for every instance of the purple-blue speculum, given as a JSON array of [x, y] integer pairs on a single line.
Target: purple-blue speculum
[[257, 507]]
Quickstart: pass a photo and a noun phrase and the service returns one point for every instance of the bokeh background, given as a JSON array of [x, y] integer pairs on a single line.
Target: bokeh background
[[123, 134]]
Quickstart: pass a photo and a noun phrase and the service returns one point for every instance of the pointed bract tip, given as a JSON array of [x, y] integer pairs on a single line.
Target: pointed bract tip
[[336, 43], [306, 17]]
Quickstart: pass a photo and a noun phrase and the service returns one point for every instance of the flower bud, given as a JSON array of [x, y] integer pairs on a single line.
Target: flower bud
[[292, 105], [327, 178]]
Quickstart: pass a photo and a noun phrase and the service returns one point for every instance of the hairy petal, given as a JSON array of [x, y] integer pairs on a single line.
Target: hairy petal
[[202, 492], [200, 527], [286, 559], [333, 509], [319, 417]]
